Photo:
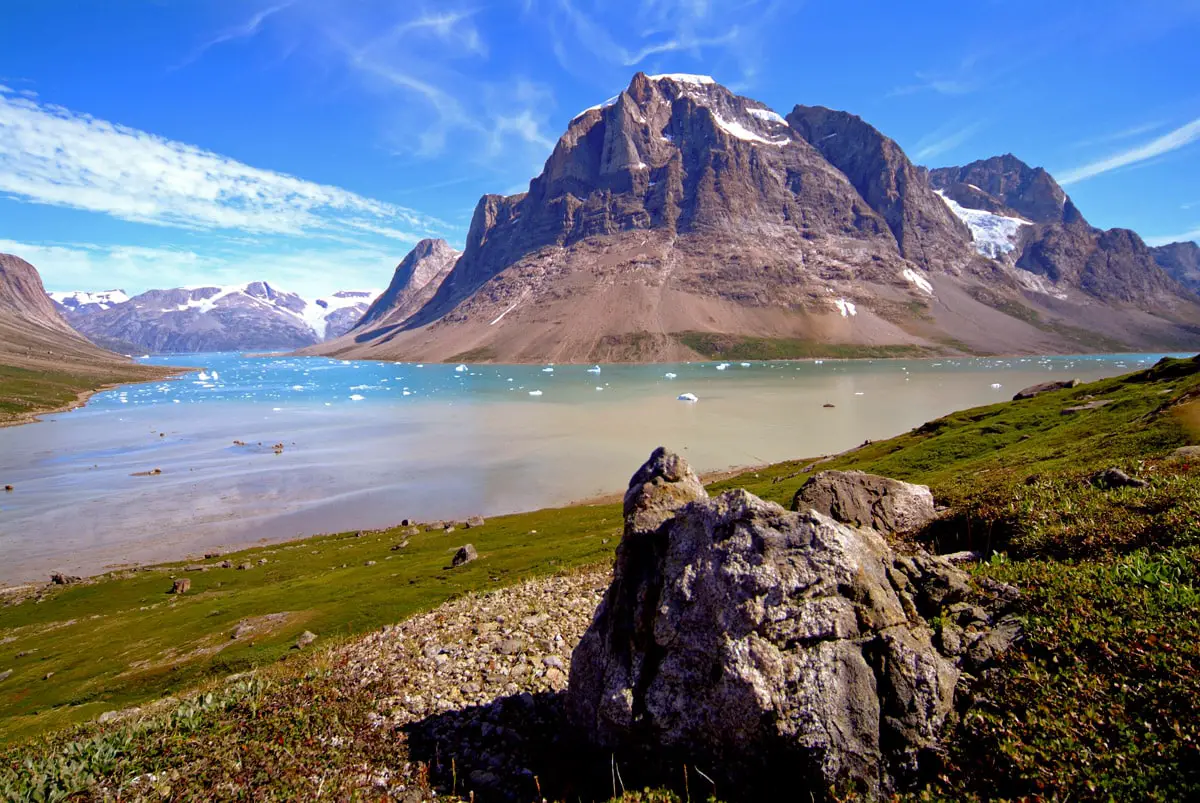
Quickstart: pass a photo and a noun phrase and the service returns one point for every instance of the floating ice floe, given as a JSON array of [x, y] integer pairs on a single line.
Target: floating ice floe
[[599, 388], [203, 376], [276, 409], [595, 369], [818, 362], [215, 376], [687, 397], [356, 397], [858, 393], [996, 386], [547, 370], [722, 366], [745, 365], [297, 387], [535, 393], [460, 367], [669, 375]]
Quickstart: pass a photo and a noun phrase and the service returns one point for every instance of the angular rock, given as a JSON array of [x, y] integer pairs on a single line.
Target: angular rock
[[305, 638], [782, 649], [465, 554], [61, 579], [475, 521], [867, 500], [181, 586], [1116, 478], [1046, 387]]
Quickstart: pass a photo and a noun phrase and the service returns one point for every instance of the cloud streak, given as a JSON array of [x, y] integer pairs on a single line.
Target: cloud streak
[[941, 141], [52, 155], [1171, 141], [244, 30]]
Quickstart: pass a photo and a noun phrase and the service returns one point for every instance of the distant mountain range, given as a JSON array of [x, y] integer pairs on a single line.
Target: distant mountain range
[[254, 315], [680, 220]]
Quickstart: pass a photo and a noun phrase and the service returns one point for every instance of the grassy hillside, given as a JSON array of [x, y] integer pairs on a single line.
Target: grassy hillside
[[1101, 700]]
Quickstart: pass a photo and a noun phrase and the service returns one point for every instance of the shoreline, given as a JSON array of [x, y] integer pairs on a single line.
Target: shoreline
[[84, 396]]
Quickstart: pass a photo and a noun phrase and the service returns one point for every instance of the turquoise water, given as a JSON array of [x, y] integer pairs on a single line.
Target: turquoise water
[[368, 444]]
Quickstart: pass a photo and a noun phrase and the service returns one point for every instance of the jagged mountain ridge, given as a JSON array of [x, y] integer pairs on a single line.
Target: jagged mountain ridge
[[254, 315], [679, 207], [1181, 261], [416, 279]]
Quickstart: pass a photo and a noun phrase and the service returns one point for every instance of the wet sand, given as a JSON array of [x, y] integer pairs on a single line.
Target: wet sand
[[78, 506]]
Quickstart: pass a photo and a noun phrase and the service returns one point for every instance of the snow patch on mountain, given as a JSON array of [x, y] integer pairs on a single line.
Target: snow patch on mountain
[[736, 129], [684, 78], [81, 298], [995, 235], [767, 115], [917, 279]]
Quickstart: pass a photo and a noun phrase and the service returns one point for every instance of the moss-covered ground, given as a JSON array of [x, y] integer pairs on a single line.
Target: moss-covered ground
[[1100, 701]]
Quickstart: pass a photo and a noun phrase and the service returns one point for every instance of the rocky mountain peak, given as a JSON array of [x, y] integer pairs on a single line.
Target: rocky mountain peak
[[417, 278], [1006, 185], [23, 296], [926, 231], [1181, 261]]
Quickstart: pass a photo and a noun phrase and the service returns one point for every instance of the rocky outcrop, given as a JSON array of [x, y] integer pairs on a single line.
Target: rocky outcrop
[[23, 296], [417, 278], [1045, 387], [1181, 261], [780, 650], [867, 500]]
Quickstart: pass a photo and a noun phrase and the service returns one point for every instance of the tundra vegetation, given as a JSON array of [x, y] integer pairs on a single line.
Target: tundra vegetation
[[1101, 700]]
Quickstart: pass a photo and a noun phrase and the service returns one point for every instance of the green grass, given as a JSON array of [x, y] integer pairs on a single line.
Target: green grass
[[714, 346], [25, 391], [1100, 701]]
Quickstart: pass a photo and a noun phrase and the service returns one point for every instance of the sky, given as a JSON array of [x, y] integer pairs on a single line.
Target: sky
[[311, 143]]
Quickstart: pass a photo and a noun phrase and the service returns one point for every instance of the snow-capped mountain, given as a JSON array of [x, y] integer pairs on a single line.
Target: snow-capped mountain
[[80, 299], [254, 315]]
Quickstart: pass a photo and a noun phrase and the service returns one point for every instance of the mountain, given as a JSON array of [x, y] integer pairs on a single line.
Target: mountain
[[1181, 261], [44, 363], [248, 316], [1051, 243], [680, 220], [417, 278]]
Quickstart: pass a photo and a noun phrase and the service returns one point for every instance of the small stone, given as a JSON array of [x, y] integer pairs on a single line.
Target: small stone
[[262, 561], [449, 529], [181, 586], [400, 545], [553, 662], [465, 554], [226, 564], [827, 404], [244, 566], [47, 676], [9, 488], [306, 638], [211, 555], [1116, 478], [1046, 387], [369, 563], [5, 674], [475, 521], [1186, 453], [60, 579], [511, 646]]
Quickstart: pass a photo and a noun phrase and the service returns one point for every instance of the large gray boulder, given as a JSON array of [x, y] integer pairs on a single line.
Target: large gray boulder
[[867, 500], [1046, 387], [778, 650]]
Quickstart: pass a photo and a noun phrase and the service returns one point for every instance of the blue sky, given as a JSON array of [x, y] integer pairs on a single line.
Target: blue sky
[[311, 142]]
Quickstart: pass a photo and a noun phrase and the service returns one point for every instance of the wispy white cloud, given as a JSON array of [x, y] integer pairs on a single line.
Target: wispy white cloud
[[243, 30], [428, 103], [73, 266], [1164, 239], [943, 140], [1171, 141], [52, 155], [616, 37], [960, 84], [1117, 136]]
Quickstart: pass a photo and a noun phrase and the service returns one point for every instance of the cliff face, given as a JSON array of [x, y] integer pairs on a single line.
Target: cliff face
[[1181, 261], [417, 278], [680, 210]]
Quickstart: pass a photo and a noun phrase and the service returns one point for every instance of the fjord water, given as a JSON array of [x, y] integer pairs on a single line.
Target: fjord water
[[368, 444]]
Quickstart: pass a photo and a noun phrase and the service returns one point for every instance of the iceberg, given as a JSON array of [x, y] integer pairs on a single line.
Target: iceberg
[[460, 367], [687, 397]]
